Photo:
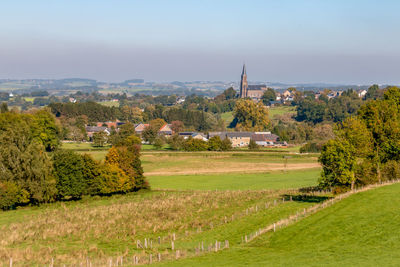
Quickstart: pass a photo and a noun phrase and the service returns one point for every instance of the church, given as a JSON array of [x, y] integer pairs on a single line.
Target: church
[[254, 92]]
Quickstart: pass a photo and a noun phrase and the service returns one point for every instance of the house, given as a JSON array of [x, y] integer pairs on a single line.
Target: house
[[90, 130], [362, 93], [193, 135], [186, 135], [166, 129], [199, 136], [265, 139], [139, 128], [110, 124]]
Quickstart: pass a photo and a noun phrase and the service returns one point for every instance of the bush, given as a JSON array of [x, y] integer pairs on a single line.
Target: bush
[[253, 145], [11, 195], [391, 170], [192, 144], [311, 147], [215, 143], [226, 144], [176, 142]]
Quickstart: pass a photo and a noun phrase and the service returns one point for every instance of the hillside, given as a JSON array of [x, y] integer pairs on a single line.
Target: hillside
[[362, 230]]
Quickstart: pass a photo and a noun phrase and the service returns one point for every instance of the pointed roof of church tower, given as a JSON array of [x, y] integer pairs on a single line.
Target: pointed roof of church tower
[[244, 69]]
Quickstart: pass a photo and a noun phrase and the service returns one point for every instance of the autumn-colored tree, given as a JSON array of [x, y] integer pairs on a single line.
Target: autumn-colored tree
[[250, 116], [177, 126]]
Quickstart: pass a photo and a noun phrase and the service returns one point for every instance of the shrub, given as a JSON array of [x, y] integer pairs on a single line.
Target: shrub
[[192, 144], [11, 195], [215, 143], [226, 144], [176, 142], [391, 170], [253, 145], [311, 147]]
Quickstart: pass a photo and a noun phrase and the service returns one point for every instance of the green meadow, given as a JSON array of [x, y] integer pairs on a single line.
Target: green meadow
[[238, 181], [362, 230]]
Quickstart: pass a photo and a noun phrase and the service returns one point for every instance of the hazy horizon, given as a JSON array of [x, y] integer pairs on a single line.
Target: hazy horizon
[[336, 42]]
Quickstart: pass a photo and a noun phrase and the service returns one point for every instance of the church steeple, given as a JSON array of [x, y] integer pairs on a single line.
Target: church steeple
[[243, 83]]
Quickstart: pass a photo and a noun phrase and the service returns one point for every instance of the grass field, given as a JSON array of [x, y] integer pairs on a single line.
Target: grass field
[[109, 103], [185, 163], [229, 181], [280, 110], [362, 230], [235, 193], [100, 228], [227, 117]]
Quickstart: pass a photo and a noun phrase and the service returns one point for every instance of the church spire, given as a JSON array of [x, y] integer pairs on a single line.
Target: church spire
[[243, 83]]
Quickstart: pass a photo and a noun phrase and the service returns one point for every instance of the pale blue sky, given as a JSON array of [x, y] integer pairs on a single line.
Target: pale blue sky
[[332, 41]]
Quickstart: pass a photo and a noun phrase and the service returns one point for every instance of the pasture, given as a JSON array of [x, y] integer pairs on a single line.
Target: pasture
[[362, 230], [238, 181], [196, 198], [107, 228]]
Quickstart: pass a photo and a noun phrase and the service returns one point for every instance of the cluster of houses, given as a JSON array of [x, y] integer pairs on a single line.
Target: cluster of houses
[[238, 139]]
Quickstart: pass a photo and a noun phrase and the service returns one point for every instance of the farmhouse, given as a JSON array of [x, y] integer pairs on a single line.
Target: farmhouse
[[265, 139], [96, 129], [165, 129]]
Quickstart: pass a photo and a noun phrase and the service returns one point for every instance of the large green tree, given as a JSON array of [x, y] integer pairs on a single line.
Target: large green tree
[[250, 116]]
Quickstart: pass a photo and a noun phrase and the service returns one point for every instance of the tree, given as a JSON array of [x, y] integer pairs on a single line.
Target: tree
[[250, 116], [253, 145], [46, 129], [176, 142], [125, 130], [159, 142], [127, 158], [24, 164], [373, 92], [215, 143], [338, 164], [99, 139], [268, 96], [69, 169], [226, 144], [177, 126], [150, 133], [157, 123]]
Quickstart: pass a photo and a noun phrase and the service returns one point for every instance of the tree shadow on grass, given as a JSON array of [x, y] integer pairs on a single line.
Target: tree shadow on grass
[[305, 198]]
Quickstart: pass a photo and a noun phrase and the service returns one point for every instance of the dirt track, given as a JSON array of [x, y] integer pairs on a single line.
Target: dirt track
[[242, 168]]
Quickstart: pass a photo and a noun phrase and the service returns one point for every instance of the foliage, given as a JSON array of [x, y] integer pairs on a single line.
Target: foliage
[[193, 144], [150, 133], [94, 111], [250, 116], [24, 164], [176, 142], [99, 139], [159, 142], [125, 130], [69, 169], [253, 145], [268, 96], [311, 147], [338, 164]]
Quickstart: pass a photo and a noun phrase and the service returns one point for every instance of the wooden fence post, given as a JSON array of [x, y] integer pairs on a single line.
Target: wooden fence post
[[172, 245], [11, 262], [159, 256], [159, 240]]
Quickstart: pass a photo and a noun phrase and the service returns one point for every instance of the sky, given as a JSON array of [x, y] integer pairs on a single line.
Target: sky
[[289, 41]]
